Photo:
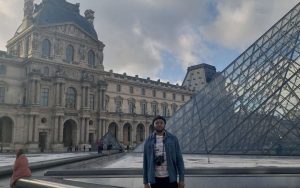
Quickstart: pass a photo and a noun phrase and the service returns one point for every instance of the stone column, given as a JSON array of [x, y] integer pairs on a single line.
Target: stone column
[[87, 127], [38, 94], [30, 128], [87, 97], [133, 135], [35, 128], [98, 107], [31, 92], [81, 130], [120, 133], [82, 97], [55, 131], [98, 129], [61, 129], [57, 102], [62, 95], [103, 99]]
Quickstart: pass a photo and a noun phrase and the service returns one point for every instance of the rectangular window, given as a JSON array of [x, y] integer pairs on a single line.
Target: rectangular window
[[174, 96], [154, 93], [44, 96], [154, 109], [118, 88], [143, 91], [182, 97], [131, 107], [164, 95], [144, 108], [92, 102], [165, 109], [2, 94], [118, 106], [131, 89]]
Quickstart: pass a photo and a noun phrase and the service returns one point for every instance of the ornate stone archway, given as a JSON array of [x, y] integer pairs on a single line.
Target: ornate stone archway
[[127, 134], [140, 133], [70, 133]]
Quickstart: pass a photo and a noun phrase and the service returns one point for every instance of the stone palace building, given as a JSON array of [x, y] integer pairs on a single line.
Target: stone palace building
[[55, 93]]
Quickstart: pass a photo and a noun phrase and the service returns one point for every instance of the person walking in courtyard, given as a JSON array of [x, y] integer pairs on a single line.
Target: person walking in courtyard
[[162, 160], [100, 146], [21, 168]]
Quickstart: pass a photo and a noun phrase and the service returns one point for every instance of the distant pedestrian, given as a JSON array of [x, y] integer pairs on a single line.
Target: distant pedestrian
[[100, 146], [83, 147], [21, 168], [109, 147]]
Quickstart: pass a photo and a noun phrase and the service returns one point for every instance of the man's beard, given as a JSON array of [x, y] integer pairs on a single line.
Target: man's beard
[[159, 131]]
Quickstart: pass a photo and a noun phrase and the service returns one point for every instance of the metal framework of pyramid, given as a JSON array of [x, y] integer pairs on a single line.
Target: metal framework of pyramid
[[252, 107]]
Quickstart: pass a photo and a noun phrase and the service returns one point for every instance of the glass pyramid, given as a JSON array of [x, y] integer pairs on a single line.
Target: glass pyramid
[[252, 106]]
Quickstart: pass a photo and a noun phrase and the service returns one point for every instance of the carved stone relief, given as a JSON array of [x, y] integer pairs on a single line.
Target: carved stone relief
[[85, 76], [73, 74], [81, 52], [70, 30], [60, 72], [58, 47]]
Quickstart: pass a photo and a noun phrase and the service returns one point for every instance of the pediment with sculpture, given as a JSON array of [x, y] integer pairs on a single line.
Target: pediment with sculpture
[[70, 30]]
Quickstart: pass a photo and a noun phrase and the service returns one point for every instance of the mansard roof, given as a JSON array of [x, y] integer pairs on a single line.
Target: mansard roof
[[52, 12]]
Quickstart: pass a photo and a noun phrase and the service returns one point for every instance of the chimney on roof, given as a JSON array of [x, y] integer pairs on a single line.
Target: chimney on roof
[[28, 11], [89, 15]]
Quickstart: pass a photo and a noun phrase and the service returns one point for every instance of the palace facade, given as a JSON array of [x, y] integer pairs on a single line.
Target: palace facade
[[55, 93]]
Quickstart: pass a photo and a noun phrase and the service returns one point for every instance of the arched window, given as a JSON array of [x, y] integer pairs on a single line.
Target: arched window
[[71, 98], [140, 133], [70, 54], [91, 58], [46, 48]]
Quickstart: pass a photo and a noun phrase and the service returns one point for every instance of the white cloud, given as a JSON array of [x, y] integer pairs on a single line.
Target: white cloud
[[136, 32], [137, 29], [239, 23], [191, 48]]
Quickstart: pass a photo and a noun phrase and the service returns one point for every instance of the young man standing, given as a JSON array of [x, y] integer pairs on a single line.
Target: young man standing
[[162, 158]]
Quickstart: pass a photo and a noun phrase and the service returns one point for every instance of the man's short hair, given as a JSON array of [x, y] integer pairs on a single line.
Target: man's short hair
[[159, 117]]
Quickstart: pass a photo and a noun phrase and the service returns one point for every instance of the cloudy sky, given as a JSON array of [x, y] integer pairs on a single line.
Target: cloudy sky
[[161, 38]]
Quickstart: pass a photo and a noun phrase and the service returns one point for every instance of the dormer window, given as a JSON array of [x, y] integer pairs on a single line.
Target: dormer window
[[46, 48], [70, 54], [91, 58]]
